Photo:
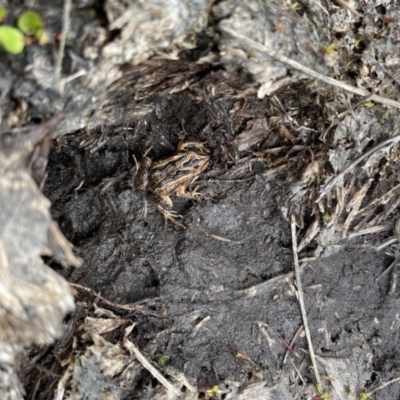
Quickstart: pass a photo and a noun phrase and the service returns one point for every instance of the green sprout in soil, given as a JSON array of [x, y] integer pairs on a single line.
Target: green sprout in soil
[[357, 41], [330, 48], [325, 396], [211, 393], [294, 6], [11, 39], [163, 359], [30, 26], [272, 111], [363, 395]]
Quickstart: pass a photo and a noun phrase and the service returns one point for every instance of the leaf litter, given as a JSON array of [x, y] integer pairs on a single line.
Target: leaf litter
[[273, 147]]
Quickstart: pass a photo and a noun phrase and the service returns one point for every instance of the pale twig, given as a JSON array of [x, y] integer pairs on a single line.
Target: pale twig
[[386, 226], [64, 33], [383, 386], [298, 373], [300, 67], [329, 185], [143, 360], [291, 344], [387, 243], [354, 106], [110, 303], [301, 298], [347, 7], [59, 395]]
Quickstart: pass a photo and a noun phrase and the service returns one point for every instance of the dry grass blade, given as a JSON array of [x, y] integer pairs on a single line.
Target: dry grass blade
[[122, 306], [372, 229], [347, 7], [354, 205], [292, 342], [302, 68], [383, 386], [143, 360], [384, 199], [329, 185], [301, 298], [311, 233], [59, 395], [64, 33]]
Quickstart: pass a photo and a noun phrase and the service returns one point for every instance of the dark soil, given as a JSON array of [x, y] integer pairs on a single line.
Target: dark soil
[[218, 297]]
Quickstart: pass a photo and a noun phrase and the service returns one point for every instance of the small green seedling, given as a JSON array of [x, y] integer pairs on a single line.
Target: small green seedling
[[163, 359], [294, 6], [11, 39], [330, 48], [30, 26], [211, 393], [357, 41], [30, 23]]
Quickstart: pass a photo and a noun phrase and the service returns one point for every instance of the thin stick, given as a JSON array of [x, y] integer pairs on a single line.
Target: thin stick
[[110, 303], [383, 386], [347, 7], [328, 186], [386, 270], [64, 33], [291, 344], [59, 395], [387, 243], [298, 373], [301, 298], [143, 360], [300, 67]]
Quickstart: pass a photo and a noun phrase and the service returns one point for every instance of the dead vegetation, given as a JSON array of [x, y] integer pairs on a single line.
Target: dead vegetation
[[297, 105]]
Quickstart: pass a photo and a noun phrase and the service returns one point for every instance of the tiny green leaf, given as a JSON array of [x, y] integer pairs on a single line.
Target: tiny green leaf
[[3, 13], [212, 391], [295, 6], [330, 48], [163, 359], [30, 23], [369, 104], [11, 39]]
